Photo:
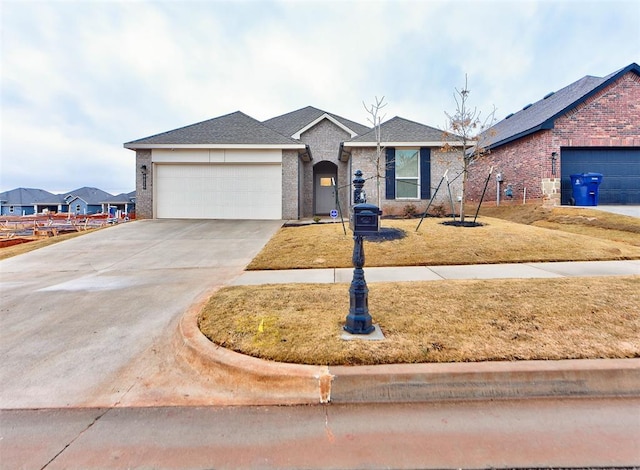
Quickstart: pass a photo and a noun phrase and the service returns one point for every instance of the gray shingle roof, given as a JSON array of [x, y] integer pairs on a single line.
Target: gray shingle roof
[[399, 129], [542, 114], [121, 198], [29, 197], [89, 195], [234, 128], [290, 123]]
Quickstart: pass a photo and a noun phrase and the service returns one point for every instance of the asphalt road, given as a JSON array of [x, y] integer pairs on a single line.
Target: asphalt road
[[484, 434]]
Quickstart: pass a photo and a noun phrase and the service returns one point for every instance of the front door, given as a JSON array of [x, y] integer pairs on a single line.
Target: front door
[[325, 193]]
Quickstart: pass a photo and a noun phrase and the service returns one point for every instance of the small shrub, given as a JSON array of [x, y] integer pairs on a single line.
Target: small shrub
[[439, 210], [316, 219], [409, 211]]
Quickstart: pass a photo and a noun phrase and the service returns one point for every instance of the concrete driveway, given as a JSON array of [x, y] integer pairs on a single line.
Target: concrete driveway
[[89, 321]]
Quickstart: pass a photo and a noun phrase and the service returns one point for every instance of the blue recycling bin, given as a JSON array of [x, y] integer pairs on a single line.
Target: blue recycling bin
[[585, 188]]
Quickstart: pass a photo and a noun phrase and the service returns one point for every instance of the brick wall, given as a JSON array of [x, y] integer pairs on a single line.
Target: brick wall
[[365, 159], [144, 197], [324, 140], [610, 118], [290, 184]]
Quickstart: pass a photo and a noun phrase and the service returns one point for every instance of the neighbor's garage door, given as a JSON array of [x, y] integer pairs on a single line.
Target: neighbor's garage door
[[218, 191], [620, 167]]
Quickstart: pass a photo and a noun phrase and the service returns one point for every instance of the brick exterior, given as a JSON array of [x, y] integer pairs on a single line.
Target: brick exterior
[[144, 197], [324, 140], [610, 118], [291, 165], [365, 159]]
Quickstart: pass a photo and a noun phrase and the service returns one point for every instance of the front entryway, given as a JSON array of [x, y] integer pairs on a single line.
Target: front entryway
[[325, 176]]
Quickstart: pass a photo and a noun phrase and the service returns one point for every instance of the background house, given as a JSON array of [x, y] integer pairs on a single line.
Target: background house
[[84, 201], [592, 125], [28, 201], [122, 205], [292, 166]]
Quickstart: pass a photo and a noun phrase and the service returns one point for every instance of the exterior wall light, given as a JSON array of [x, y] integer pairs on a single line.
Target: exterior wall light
[[143, 171]]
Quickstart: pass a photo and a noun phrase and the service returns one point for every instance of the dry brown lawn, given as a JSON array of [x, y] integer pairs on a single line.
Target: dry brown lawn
[[441, 321], [444, 321], [497, 241]]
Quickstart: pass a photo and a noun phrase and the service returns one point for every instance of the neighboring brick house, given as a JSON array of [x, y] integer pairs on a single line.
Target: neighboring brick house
[[292, 166], [592, 125]]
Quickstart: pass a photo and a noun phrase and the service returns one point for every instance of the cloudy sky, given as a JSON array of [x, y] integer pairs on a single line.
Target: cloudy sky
[[80, 78]]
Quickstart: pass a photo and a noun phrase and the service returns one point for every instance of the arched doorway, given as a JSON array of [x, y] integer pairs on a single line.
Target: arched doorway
[[325, 177]]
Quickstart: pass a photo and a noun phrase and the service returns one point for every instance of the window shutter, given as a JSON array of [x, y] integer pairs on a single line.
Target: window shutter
[[390, 173], [425, 173]]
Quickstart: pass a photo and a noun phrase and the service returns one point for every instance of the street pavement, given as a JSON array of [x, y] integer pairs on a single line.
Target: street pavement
[[559, 433], [90, 378]]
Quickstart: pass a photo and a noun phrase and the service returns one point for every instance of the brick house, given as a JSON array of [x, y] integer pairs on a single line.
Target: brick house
[[412, 161], [591, 125], [292, 166]]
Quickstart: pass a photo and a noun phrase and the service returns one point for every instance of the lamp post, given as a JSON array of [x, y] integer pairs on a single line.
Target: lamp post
[[364, 220]]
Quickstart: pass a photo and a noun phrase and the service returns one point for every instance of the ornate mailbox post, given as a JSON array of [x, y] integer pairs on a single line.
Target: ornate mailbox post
[[364, 220]]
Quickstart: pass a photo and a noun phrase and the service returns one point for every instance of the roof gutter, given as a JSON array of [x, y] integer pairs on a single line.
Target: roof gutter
[[404, 144], [134, 146]]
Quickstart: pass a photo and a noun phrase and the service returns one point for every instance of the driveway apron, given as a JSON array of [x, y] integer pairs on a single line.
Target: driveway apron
[[85, 321]]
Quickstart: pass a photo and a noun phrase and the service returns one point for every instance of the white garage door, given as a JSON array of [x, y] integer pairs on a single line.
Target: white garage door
[[218, 191]]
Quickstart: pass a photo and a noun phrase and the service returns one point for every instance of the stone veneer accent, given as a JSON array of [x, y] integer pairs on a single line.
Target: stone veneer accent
[[551, 191]]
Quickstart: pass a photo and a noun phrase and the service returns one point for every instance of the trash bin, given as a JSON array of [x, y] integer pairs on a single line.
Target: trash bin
[[585, 189]]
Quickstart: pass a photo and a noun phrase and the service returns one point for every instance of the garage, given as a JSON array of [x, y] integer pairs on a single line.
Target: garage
[[218, 191], [620, 168]]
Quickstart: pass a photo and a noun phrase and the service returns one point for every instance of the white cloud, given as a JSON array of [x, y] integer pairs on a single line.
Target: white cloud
[[80, 78]]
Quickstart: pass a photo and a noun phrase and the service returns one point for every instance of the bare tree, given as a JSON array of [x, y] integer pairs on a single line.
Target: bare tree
[[468, 127], [375, 119]]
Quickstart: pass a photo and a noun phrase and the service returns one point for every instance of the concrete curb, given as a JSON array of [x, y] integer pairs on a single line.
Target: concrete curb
[[486, 380], [287, 384], [270, 382]]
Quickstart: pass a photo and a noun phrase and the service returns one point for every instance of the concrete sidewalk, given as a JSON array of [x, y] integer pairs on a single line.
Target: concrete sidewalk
[[439, 273]]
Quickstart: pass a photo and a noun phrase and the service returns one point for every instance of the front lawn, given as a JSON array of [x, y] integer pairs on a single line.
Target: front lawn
[[443, 321], [438, 321], [496, 241]]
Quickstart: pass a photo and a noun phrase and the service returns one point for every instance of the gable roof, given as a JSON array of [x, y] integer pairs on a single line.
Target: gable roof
[[542, 114], [296, 122], [235, 129], [121, 198], [398, 131], [92, 196], [29, 197]]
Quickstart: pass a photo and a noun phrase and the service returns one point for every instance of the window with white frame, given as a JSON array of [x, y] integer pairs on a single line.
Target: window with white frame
[[407, 168]]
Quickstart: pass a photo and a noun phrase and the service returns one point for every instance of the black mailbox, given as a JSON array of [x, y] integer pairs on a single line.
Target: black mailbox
[[365, 219]]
